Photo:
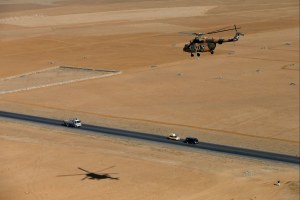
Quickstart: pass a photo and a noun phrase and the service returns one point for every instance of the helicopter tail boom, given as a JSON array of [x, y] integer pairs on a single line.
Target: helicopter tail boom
[[233, 39], [237, 36]]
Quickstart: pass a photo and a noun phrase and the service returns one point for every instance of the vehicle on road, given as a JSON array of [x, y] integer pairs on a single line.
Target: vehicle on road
[[191, 140], [72, 123], [173, 136]]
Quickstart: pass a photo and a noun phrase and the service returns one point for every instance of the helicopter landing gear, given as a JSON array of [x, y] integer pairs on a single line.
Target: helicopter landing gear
[[192, 55], [212, 52]]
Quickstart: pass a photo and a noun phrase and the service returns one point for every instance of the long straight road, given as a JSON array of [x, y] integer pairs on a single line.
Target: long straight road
[[158, 138]]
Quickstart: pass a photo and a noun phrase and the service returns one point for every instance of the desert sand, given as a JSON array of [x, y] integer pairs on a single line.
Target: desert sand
[[246, 94]]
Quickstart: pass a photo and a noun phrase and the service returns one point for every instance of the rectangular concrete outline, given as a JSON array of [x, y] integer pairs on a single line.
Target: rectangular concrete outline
[[112, 73]]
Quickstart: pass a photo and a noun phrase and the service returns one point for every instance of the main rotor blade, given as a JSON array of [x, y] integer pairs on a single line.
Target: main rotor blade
[[69, 175], [224, 29], [106, 168], [199, 34], [230, 29], [221, 29], [84, 170], [191, 34], [227, 28], [186, 33]]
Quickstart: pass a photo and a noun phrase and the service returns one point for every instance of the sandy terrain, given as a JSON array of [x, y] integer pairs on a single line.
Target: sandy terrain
[[246, 94], [41, 155], [127, 15]]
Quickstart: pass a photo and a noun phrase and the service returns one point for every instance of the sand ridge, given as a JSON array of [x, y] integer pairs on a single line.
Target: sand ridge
[[124, 15]]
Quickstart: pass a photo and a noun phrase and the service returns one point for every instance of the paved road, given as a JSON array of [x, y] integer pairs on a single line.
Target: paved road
[[158, 138]]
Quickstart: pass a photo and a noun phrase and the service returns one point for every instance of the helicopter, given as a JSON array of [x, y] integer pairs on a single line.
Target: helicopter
[[93, 175], [202, 44]]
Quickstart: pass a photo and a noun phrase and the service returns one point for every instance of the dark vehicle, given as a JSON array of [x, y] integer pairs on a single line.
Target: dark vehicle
[[191, 140]]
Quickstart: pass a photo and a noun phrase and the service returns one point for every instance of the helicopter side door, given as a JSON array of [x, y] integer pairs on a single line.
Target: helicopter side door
[[206, 47], [201, 47]]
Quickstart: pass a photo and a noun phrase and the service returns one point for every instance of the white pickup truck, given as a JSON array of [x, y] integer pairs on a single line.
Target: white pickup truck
[[72, 123], [173, 136]]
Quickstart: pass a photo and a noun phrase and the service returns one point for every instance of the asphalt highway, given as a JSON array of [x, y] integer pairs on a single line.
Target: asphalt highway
[[158, 138]]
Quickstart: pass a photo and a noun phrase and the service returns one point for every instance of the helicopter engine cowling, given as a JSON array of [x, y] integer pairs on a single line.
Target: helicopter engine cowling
[[211, 46], [220, 41], [189, 47]]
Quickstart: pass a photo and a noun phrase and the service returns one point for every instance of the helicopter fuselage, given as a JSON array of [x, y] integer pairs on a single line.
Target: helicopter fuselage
[[199, 47]]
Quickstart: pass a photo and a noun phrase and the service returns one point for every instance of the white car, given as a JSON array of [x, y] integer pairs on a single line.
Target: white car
[[173, 136]]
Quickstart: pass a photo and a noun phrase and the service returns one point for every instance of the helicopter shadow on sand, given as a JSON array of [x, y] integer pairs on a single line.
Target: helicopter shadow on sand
[[93, 175]]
